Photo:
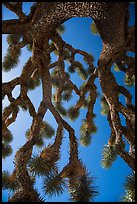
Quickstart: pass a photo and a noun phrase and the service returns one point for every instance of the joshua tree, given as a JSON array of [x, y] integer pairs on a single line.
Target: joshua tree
[[40, 33]]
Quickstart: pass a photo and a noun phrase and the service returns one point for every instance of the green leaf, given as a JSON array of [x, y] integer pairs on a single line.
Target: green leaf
[[73, 113], [46, 130], [66, 96], [82, 73], [86, 131], [90, 58], [33, 83], [29, 47], [83, 190], [116, 68], [60, 29], [109, 155], [6, 150], [94, 28], [9, 63], [129, 81], [60, 108], [40, 166], [129, 195], [5, 179], [85, 139], [13, 39], [53, 184], [7, 136], [71, 69]]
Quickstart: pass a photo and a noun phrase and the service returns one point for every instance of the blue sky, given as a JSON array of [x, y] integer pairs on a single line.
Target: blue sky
[[109, 182]]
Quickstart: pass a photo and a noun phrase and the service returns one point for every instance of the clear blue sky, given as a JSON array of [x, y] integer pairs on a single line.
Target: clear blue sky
[[109, 182]]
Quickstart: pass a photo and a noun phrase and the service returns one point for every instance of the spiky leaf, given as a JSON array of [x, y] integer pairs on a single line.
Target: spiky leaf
[[83, 189], [73, 113], [129, 189], [85, 139], [29, 47], [46, 130], [39, 166], [5, 179], [66, 96], [71, 69], [9, 63], [6, 150], [109, 155], [87, 129], [104, 105], [61, 109], [53, 184], [94, 28], [33, 83], [13, 39], [9, 181], [61, 29], [129, 81], [116, 68], [7, 136]]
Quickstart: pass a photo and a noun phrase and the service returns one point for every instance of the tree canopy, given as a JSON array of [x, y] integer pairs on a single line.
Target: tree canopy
[[40, 32]]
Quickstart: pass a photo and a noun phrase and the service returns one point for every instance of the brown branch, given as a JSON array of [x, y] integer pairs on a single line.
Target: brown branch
[[8, 87], [14, 27], [125, 156], [13, 118], [17, 9]]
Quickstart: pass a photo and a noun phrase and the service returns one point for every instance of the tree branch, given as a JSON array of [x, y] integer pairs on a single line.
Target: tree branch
[[17, 9], [15, 26]]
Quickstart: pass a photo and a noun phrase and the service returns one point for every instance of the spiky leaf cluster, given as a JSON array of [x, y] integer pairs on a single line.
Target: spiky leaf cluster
[[73, 113], [29, 47], [26, 196], [6, 150], [5, 179], [94, 28], [61, 108], [71, 69], [13, 39], [9, 62], [116, 68], [9, 181], [81, 71], [61, 29], [11, 58], [109, 155], [46, 131], [90, 58], [56, 52], [83, 189], [40, 166], [67, 95], [67, 55], [129, 81], [129, 189], [33, 83], [53, 184], [39, 142], [7, 136], [87, 129]]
